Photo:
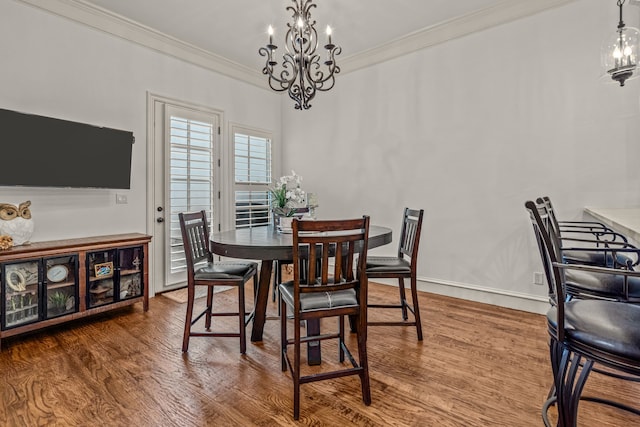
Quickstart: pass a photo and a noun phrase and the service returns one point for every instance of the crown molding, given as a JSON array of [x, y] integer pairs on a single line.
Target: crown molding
[[500, 13], [120, 26]]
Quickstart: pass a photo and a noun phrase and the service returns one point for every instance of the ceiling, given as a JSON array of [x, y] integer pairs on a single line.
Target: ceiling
[[235, 29], [225, 35]]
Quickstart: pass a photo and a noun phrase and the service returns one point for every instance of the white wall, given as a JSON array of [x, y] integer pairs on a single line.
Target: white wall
[[469, 130], [55, 67]]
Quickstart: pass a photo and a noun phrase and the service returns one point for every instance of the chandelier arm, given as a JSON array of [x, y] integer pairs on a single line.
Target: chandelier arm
[[316, 75], [287, 75]]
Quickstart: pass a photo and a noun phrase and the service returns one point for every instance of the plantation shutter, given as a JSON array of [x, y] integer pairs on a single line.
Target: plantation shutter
[[252, 170], [191, 182]]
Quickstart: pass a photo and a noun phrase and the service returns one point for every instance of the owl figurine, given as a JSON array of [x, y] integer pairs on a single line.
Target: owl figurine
[[16, 222]]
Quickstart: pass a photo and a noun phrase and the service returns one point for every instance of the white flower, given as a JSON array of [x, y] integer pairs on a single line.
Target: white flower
[[287, 194]]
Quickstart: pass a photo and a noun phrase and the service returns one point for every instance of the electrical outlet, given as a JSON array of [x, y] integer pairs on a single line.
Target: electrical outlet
[[538, 278], [121, 199]]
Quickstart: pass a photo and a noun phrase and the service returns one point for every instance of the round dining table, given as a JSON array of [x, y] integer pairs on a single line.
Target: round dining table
[[268, 245]]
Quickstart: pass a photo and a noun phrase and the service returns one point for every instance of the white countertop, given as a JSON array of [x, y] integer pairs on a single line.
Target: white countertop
[[623, 220]]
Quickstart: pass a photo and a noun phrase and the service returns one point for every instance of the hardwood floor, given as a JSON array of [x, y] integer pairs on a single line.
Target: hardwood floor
[[478, 365]]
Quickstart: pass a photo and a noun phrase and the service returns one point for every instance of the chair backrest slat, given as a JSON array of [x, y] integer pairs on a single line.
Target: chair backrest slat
[[195, 236], [549, 256], [317, 244], [540, 227], [410, 233]]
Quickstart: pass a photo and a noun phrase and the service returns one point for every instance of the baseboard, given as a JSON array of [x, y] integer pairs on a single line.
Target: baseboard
[[499, 297]]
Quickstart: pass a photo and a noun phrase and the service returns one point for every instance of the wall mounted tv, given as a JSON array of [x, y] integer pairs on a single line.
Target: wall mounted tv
[[39, 151]]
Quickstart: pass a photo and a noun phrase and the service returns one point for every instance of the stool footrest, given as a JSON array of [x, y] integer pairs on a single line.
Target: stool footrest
[[391, 323]]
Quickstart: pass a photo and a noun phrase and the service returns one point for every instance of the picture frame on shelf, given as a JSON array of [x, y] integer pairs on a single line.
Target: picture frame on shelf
[[104, 270]]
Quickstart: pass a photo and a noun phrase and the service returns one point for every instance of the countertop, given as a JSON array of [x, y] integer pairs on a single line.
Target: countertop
[[622, 220]]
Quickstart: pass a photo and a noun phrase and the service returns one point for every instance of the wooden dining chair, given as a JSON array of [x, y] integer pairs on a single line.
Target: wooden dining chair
[[203, 271], [280, 265], [332, 290], [403, 266]]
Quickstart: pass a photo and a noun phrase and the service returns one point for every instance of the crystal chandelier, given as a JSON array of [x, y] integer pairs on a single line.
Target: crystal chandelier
[[301, 74], [620, 53]]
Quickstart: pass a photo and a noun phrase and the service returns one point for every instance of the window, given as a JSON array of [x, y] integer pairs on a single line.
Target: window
[[252, 170]]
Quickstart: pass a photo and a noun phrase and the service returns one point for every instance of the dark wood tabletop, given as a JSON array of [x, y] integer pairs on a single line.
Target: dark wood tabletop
[[268, 245], [265, 243]]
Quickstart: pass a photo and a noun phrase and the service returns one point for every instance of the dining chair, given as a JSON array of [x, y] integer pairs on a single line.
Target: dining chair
[[589, 234], [586, 225], [333, 289], [586, 335], [203, 271], [588, 284], [403, 266], [280, 265]]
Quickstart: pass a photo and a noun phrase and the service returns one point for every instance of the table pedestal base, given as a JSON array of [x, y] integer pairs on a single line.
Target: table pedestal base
[[314, 356]]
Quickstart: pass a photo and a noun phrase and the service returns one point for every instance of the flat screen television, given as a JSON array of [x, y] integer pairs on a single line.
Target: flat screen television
[[39, 151]]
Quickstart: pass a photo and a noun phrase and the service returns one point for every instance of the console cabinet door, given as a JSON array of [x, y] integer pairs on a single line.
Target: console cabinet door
[[60, 285], [21, 293], [130, 272], [101, 277]]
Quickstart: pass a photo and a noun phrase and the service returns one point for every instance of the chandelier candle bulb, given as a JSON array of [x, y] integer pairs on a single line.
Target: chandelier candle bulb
[[270, 31]]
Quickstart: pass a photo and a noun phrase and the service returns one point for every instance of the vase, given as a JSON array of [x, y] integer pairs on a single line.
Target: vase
[[282, 223], [286, 224]]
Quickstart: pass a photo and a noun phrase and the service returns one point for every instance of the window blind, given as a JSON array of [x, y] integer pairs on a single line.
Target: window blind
[[252, 170], [191, 177]]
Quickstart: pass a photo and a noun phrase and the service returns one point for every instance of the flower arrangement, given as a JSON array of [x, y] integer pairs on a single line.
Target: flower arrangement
[[286, 194]]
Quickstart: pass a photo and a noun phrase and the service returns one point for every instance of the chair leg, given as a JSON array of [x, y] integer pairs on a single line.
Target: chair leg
[[364, 363], [255, 286], [416, 307], [403, 298], [207, 321], [283, 333], [277, 279], [296, 369], [561, 395], [572, 386], [241, 317], [341, 340], [189, 315]]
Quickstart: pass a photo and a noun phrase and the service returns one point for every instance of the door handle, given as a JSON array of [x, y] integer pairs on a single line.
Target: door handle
[[160, 219]]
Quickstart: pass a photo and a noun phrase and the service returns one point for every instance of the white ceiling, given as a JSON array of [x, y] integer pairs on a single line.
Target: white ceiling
[[225, 35], [235, 29]]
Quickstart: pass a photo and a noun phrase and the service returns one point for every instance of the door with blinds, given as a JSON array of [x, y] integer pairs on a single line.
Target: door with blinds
[[191, 180]]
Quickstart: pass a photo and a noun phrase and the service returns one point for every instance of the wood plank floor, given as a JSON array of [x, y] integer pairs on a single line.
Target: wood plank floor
[[479, 365]]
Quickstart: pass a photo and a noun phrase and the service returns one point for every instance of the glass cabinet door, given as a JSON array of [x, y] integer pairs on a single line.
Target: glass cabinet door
[[100, 278], [21, 293], [130, 268], [61, 285]]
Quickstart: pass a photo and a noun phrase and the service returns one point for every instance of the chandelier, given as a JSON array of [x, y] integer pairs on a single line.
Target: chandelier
[[302, 74], [620, 53]]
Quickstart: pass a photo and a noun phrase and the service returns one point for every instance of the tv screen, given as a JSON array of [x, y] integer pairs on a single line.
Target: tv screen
[[42, 151]]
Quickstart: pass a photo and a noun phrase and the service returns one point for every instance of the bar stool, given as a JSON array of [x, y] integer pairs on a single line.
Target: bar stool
[[403, 266]]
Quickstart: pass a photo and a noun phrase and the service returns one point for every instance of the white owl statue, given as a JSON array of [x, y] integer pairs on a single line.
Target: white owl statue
[[16, 222]]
